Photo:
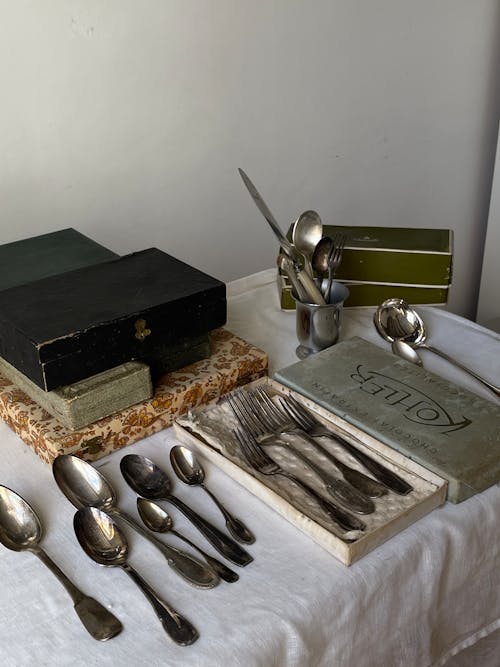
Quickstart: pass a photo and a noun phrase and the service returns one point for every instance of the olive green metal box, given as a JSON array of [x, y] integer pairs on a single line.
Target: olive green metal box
[[383, 262]]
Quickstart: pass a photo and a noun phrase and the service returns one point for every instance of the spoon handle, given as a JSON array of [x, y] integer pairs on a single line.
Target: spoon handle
[[491, 386], [100, 623], [222, 570], [176, 626], [224, 544], [184, 564], [234, 525]]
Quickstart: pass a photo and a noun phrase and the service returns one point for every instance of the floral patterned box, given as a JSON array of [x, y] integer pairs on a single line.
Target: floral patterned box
[[233, 362]]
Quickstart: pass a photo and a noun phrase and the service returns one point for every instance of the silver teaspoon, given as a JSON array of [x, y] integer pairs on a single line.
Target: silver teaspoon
[[20, 530], [190, 471], [84, 486], [156, 519], [103, 541]]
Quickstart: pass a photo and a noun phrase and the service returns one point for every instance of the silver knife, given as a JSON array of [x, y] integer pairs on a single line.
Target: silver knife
[[262, 206], [314, 295]]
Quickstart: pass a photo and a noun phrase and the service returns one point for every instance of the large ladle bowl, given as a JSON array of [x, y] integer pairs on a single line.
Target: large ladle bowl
[[395, 320]]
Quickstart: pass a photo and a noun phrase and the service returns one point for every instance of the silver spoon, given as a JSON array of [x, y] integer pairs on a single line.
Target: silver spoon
[[103, 541], [321, 253], [307, 231], [84, 486], [20, 530], [190, 471], [148, 480], [395, 320], [159, 521], [405, 351]]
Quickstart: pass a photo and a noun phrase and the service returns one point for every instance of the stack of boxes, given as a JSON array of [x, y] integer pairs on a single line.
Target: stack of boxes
[[89, 342]]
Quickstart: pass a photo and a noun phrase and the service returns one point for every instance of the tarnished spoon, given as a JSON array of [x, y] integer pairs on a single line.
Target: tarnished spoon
[[150, 481], [103, 541], [84, 486], [190, 471], [20, 530], [307, 231], [159, 521]]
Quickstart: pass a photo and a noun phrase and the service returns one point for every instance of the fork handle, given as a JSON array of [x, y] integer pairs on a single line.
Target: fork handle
[[345, 520]]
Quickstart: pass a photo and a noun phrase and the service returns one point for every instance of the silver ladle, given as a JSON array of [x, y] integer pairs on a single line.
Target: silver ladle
[[156, 519], [103, 541], [190, 471], [395, 320], [148, 480], [84, 486], [20, 530]]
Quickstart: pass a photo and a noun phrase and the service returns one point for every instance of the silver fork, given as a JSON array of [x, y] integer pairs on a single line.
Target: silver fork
[[252, 418], [316, 429], [271, 425], [334, 260], [282, 420], [257, 459]]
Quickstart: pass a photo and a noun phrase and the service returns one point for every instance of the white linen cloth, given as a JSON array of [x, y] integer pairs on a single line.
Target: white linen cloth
[[419, 599]]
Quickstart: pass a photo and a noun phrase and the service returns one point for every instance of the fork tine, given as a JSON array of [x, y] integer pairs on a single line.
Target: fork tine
[[293, 413], [268, 409], [254, 454], [305, 416], [243, 414]]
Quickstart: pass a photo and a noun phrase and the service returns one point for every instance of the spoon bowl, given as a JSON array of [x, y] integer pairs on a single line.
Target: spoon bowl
[[319, 260], [405, 351], [159, 521], [190, 471], [21, 530], [104, 542]]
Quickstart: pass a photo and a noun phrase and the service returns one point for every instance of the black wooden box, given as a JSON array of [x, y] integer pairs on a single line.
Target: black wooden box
[[64, 328]]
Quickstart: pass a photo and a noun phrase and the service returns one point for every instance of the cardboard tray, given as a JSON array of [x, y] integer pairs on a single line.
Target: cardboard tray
[[208, 431]]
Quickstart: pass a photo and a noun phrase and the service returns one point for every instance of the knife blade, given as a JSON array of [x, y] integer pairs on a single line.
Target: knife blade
[[263, 208]]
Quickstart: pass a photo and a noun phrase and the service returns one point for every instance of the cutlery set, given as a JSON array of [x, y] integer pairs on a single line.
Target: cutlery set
[[97, 529], [311, 259], [265, 421]]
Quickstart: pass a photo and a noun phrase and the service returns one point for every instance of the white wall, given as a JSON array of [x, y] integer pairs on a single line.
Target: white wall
[[128, 119]]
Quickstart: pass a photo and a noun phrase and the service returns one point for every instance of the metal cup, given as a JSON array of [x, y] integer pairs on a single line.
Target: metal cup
[[318, 327]]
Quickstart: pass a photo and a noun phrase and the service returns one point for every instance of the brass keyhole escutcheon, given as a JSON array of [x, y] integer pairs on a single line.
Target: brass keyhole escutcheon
[[140, 330]]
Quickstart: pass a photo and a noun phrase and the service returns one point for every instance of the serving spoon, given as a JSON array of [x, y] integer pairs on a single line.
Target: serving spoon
[[84, 486], [395, 320], [103, 541], [307, 231], [190, 471], [21, 530], [156, 519], [148, 480]]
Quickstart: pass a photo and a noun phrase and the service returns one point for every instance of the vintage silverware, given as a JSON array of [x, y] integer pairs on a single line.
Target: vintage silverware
[[20, 530], [307, 231], [103, 541], [394, 319], [285, 419], [156, 519], [190, 471], [252, 415], [307, 282], [316, 429], [321, 253], [286, 266], [258, 459], [333, 262], [150, 481], [84, 486]]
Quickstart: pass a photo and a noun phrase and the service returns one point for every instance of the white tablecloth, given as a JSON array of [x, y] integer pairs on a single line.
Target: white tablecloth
[[419, 599]]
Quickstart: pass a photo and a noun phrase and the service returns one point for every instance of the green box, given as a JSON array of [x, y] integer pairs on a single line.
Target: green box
[[383, 262]]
